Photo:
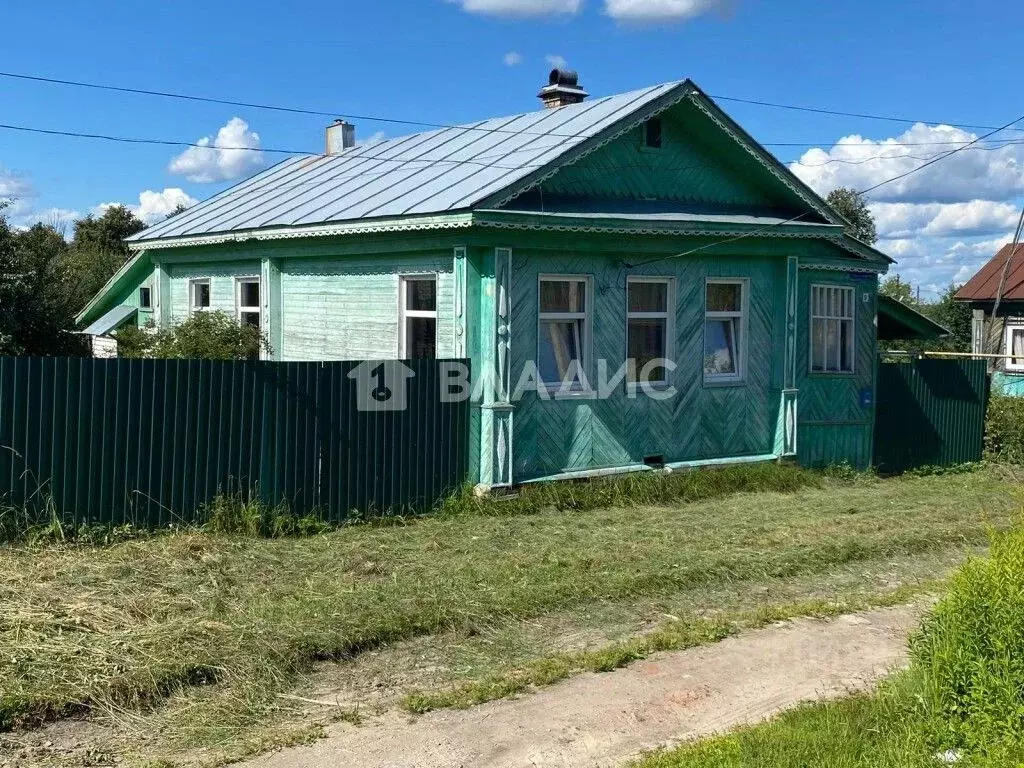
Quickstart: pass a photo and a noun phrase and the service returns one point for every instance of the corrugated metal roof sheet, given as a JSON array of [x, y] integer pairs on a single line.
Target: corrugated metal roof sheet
[[985, 284], [435, 172], [113, 319]]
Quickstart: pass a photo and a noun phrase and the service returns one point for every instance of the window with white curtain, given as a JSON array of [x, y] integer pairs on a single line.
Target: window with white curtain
[[1014, 339], [563, 331], [648, 305], [725, 330], [832, 329]]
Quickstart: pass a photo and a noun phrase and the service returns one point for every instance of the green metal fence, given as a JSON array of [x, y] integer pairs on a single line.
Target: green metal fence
[[929, 412], [149, 442]]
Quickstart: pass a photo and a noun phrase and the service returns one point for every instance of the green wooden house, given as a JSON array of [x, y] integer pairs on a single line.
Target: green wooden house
[[646, 226]]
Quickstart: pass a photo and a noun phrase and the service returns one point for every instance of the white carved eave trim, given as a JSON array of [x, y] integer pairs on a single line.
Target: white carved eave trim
[[634, 229], [863, 268], [447, 221]]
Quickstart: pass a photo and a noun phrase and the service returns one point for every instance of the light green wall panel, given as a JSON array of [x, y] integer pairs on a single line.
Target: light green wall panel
[[222, 285], [347, 308], [702, 421]]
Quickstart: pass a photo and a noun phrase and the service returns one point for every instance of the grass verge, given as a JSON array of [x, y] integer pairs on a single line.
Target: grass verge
[[223, 625]]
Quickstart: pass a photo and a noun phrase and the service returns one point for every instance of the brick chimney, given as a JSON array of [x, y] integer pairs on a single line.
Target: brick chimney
[[563, 88]]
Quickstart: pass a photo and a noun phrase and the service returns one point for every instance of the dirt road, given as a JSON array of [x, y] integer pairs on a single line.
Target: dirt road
[[604, 720]]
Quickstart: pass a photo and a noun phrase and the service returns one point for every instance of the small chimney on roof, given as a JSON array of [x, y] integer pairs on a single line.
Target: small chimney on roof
[[563, 88], [340, 136]]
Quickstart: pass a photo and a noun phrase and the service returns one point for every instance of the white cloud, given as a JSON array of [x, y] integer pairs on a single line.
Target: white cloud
[[993, 172], [153, 206], [521, 7], [935, 262], [231, 154], [652, 11], [976, 217], [513, 59], [556, 61], [16, 191]]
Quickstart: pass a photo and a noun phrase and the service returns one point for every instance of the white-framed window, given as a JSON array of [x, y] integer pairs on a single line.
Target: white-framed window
[[145, 297], [725, 329], [649, 310], [833, 329], [247, 301], [1013, 340], [563, 331], [198, 294], [418, 316]]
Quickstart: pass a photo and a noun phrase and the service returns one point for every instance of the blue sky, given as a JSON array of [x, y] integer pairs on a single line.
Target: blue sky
[[449, 61]]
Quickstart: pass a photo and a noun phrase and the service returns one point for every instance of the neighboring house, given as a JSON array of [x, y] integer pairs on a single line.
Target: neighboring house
[[644, 225], [1004, 334]]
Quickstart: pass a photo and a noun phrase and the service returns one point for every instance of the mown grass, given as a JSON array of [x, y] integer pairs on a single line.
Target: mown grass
[[117, 628], [961, 701]]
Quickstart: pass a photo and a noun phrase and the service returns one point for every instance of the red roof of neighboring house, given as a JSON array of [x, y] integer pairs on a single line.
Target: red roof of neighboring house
[[983, 286]]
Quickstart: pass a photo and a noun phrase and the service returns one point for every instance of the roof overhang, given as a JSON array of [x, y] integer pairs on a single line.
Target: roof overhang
[[112, 320], [898, 321]]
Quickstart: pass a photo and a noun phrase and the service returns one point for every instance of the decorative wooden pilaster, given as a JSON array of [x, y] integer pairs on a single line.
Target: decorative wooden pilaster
[[786, 428], [161, 296], [497, 410], [270, 300], [461, 329]]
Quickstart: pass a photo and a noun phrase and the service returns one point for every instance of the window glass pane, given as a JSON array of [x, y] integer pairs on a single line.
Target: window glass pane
[[421, 296], [845, 337], [249, 294], [648, 297], [422, 337], [720, 344], [562, 296], [145, 298], [652, 133], [251, 318], [818, 345], [724, 297], [646, 342], [561, 342], [201, 295]]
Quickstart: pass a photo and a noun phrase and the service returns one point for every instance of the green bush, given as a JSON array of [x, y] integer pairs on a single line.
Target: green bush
[[970, 653], [1004, 429], [204, 336]]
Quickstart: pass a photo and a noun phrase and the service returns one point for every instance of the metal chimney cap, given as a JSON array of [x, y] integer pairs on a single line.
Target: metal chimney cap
[[567, 77]]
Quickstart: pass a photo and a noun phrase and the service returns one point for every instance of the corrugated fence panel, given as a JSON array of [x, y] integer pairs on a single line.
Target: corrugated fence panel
[[930, 413], [149, 442]]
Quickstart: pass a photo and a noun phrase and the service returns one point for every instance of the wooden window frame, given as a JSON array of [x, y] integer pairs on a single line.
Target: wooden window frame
[[148, 306], [852, 319], [668, 316], [586, 343], [192, 283], [405, 314], [743, 315], [1011, 326], [248, 310]]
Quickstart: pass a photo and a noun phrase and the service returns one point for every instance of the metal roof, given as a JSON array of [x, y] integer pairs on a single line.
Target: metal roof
[[985, 284], [439, 171], [113, 319]]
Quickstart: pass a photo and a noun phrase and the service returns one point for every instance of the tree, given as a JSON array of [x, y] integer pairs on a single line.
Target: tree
[[36, 293], [896, 288], [955, 316], [205, 335], [850, 204], [98, 249]]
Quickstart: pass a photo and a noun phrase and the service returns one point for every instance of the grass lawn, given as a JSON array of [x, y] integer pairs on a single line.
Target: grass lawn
[[192, 642]]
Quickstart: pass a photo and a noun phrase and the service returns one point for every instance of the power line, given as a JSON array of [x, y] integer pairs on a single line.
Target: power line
[[427, 124], [941, 157], [859, 115]]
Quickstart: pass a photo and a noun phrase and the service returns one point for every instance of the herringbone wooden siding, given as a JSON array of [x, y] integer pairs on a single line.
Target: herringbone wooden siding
[[834, 425], [700, 422]]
